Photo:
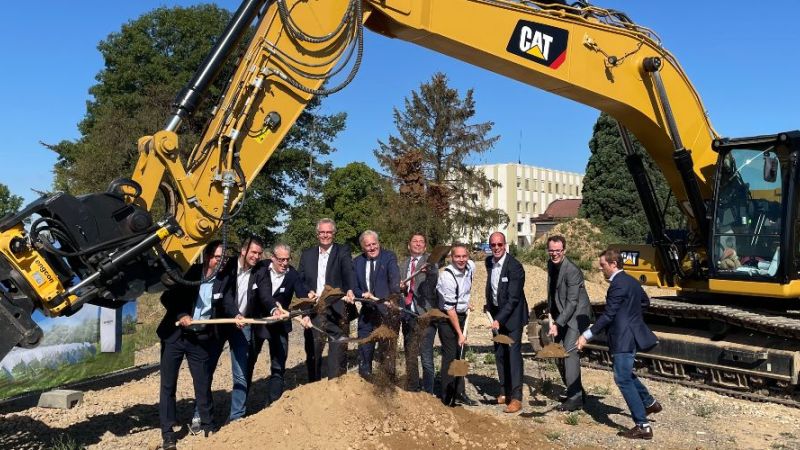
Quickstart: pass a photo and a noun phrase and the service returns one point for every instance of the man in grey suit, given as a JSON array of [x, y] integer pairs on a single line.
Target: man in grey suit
[[419, 296], [569, 315]]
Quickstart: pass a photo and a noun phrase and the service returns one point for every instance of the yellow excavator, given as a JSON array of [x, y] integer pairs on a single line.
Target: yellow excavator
[[731, 323]]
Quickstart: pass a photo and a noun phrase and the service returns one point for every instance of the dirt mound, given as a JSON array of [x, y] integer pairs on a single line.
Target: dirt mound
[[584, 240], [350, 413]]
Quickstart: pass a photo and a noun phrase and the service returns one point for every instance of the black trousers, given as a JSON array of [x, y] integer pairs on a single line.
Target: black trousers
[[315, 344], [199, 355], [451, 387], [370, 318], [278, 343], [411, 343], [508, 359]]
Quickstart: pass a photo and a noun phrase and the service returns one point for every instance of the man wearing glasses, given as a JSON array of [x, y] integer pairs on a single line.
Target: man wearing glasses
[[286, 282], [568, 315], [327, 264], [505, 301]]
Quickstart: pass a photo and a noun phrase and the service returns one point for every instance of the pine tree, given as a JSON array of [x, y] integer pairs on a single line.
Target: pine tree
[[428, 157], [610, 199]]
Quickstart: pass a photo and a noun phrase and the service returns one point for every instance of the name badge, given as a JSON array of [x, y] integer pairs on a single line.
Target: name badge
[[217, 295], [281, 289], [504, 279], [255, 286]]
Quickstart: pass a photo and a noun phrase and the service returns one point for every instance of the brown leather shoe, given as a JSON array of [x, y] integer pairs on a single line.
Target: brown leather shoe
[[513, 406], [654, 408], [501, 400], [638, 432]]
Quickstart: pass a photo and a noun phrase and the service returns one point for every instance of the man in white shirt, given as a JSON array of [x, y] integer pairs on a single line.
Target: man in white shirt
[[329, 264], [454, 286], [250, 288]]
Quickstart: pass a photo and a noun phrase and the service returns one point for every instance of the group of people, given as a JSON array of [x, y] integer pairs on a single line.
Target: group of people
[[398, 296]]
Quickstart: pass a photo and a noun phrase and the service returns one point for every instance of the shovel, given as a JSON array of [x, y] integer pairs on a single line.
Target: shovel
[[341, 339], [460, 367], [554, 351], [496, 336]]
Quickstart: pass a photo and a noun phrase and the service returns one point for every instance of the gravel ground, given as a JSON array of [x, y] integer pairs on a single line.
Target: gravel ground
[[125, 416]]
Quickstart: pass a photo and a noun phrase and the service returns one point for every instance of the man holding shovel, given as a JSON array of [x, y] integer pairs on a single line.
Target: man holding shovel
[[377, 277], [454, 286], [419, 295], [569, 313], [506, 304], [285, 283], [327, 264]]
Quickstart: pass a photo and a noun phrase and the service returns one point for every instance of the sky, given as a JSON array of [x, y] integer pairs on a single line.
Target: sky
[[741, 59]]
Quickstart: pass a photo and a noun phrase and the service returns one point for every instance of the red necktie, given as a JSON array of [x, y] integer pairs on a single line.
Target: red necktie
[[411, 284]]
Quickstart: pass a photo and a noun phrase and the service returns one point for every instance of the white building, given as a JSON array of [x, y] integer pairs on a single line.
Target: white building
[[525, 192]]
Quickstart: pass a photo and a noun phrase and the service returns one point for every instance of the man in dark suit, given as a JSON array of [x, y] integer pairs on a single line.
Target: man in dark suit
[[505, 301], [285, 282], [419, 296], [185, 303], [327, 264], [627, 333], [377, 277], [569, 314], [250, 288]]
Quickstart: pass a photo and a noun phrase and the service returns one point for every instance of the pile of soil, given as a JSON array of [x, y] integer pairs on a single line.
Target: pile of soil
[[584, 240], [350, 412]]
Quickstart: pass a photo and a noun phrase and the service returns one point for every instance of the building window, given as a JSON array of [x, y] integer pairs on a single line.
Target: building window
[[519, 206], [519, 227], [527, 186], [527, 207], [549, 187]]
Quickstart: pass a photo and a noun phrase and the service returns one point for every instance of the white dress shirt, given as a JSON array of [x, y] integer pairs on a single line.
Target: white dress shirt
[[322, 267], [497, 267]]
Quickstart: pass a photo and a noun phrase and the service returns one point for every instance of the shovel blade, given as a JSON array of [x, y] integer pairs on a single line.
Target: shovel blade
[[503, 339], [458, 368], [552, 351]]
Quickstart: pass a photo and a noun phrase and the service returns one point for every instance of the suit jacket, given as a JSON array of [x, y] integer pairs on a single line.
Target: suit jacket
[[291, 285], [424, 295], [338, 274], [385, 277], [180, 299], [571, 299], [627, 331], [259, 292], [512, 306]]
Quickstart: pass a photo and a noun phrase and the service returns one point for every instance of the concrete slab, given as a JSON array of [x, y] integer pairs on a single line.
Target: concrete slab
[[61, 399]]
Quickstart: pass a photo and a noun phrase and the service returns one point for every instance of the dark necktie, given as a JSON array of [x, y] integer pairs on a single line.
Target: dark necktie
[[370, 273]]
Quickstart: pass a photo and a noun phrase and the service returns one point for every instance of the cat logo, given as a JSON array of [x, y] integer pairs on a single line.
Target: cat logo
[[630, 258], [543, 44]]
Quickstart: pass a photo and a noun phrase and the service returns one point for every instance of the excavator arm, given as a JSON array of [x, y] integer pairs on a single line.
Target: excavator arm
[[106, 248]]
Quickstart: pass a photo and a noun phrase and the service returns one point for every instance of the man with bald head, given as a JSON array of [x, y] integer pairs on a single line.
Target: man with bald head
[[505, 301]]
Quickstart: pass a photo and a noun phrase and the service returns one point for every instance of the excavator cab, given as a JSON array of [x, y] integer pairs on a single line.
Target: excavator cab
[[755, 196]]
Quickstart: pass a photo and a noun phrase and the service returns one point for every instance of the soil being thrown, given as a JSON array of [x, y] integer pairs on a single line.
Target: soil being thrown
[[351, 413]]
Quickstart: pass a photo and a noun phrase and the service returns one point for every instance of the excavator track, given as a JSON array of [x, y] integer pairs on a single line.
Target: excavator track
[[751, 320], [793, 401]]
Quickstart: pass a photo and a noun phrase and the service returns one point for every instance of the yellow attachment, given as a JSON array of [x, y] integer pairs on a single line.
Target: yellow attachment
[[34, 269]]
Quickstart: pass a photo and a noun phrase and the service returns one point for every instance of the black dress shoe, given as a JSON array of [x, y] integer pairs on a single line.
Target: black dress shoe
[[466, 401], [638, 432], [654, 408], [170, 443], [570, 406]]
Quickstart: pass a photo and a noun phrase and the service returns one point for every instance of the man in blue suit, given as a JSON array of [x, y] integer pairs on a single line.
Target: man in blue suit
[[627, 334], [377, 276], [285, 283]]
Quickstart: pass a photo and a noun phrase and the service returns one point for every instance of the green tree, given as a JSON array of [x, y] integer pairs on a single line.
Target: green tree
[[9, 203], [146, 64], [428, 159], [610, 199], [354, 197]]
